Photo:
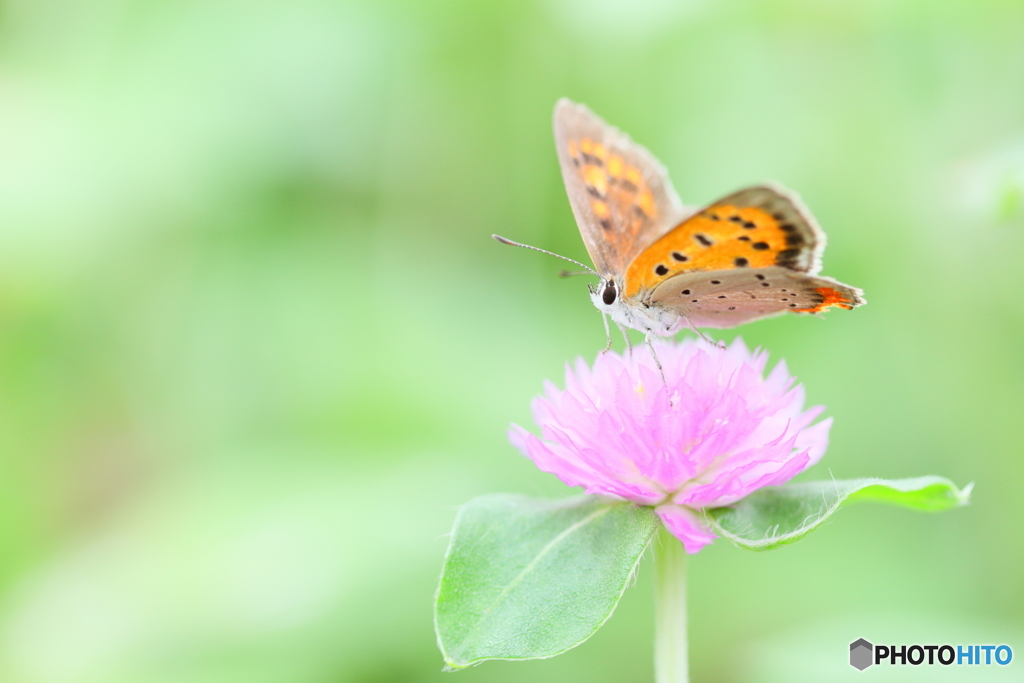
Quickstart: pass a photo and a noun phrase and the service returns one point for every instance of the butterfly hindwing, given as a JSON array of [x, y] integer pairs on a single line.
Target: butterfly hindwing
[[758, 227], [620, 194], [732, 297]]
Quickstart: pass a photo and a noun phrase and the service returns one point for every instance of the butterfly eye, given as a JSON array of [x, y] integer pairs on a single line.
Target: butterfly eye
[[609, 294]]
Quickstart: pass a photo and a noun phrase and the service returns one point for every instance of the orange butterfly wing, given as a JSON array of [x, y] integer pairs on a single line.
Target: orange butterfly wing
[[620, 194], [757, 227]]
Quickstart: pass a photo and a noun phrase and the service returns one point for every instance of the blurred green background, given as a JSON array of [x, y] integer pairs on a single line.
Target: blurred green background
[[256, 344]]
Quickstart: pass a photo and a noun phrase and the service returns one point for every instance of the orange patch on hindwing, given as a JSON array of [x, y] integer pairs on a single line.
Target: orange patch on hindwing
[[830, 297], [722, 237]]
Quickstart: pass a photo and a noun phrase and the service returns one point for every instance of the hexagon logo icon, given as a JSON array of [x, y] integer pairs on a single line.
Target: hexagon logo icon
[[861, 652]]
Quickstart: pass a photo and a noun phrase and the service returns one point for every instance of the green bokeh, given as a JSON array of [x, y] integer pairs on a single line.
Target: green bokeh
[[256, 344]]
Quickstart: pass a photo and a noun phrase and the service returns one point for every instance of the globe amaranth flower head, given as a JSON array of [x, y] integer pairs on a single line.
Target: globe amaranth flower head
[[713, 432]]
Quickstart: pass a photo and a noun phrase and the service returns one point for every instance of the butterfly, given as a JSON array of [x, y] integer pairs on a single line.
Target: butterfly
[[750, 255]]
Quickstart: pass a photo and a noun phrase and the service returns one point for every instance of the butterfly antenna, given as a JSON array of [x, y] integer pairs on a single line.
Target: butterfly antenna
[[505, 240]]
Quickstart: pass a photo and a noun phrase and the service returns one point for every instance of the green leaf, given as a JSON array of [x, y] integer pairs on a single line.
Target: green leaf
[[527, 578], [776, 515]]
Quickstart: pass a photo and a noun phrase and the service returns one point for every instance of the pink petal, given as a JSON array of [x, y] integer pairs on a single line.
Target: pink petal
[[685, 525], [717, 432]]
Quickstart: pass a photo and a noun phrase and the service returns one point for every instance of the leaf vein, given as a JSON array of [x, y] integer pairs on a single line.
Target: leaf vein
[[544, 551]]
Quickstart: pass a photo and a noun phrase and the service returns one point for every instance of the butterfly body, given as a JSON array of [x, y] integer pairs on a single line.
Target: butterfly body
[[750, 255], [636, 315]]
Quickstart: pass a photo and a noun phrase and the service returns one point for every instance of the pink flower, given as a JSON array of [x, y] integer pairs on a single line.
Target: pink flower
[[726, 432]]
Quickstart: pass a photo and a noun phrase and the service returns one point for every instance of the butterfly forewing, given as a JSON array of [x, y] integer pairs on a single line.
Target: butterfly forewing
[[781, 220], [758, 227], [732, 297], [620, 194]]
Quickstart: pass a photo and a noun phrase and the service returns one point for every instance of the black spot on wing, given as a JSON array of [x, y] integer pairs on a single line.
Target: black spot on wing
[[787, 257], [627, 185]]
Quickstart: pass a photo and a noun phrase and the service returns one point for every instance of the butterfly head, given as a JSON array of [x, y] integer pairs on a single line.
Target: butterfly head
[[607, 297], [604, 294]]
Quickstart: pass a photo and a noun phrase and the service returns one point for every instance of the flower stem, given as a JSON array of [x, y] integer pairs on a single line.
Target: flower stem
[[670, 652]]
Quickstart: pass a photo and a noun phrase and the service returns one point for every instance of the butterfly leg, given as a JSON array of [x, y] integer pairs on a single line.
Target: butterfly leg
[[661, 371], [625, 335], [709, 340], [607, 333]]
